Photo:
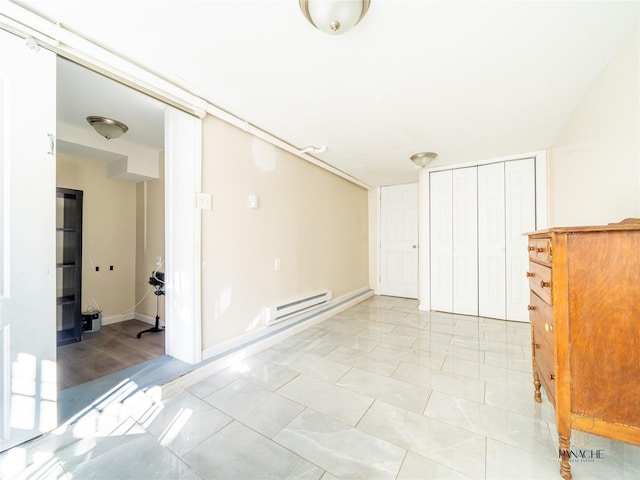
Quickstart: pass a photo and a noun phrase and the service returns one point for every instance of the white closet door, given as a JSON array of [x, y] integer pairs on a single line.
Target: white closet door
[[399, 241], [441, 213], [520, 218], [491, 241], [465, 241]]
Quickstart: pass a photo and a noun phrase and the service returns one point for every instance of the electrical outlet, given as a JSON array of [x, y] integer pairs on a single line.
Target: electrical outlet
[[158, 261], [277, 264]]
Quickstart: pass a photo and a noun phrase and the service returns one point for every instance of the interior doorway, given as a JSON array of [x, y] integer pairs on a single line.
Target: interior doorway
[[28, 233], [123, 256]]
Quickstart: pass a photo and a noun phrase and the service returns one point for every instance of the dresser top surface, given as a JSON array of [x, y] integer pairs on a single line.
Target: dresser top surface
[[623, 226]]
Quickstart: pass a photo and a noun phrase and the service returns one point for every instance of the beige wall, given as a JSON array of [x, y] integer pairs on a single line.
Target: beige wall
[[109, 234], [594, 164], [313, 220], [149, 243]]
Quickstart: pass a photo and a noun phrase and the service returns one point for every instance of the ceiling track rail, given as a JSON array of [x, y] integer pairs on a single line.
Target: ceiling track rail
[[67, 44]]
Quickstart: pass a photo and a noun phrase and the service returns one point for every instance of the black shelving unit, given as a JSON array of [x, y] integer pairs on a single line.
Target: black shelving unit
[[68, 265]]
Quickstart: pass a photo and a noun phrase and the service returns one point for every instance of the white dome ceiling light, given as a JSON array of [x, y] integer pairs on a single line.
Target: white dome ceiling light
[[334, 16]]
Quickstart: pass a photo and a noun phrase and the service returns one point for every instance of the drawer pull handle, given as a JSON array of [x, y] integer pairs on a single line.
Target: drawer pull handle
[[529, 274], [530, 307], [544, 284], [539, 249], [551, 376], [531, 248], [548, 327]]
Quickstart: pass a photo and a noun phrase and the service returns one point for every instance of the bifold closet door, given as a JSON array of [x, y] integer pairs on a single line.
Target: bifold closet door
[[441, 214], [478, 250], [520, 217], [465, 241], [491, 241]]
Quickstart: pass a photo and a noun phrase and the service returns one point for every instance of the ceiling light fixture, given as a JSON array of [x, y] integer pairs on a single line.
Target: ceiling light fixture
[[334, 16], [107, 127], [423, 159]]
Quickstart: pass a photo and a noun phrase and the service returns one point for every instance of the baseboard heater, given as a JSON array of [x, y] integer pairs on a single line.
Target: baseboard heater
[[278, 313]]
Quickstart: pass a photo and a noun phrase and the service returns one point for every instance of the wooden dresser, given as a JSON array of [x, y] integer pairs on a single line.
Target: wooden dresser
[[585, 329]]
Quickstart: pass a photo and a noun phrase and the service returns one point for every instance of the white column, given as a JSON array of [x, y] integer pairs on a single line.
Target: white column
[[183, 161]]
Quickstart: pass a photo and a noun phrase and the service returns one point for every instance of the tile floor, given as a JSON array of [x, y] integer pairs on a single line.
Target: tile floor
[[378, 391]]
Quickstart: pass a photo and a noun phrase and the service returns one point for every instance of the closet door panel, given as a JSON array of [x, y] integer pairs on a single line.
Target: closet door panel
[[520, 218], [491, 241], [465, 241], [441, 214]]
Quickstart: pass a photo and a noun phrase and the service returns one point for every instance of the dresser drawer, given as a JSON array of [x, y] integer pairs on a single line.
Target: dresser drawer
[[546, 374], [544, 363], [541, 318], [540, 281], [543, 353], [540, 250]]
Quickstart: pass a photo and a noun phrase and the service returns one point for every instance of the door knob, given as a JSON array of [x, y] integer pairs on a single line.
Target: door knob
[[414, 246]]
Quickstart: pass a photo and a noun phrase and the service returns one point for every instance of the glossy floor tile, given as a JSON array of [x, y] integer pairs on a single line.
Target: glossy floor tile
[[380, 390]]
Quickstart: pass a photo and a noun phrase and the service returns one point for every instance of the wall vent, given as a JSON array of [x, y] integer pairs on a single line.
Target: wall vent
[[278, 313]]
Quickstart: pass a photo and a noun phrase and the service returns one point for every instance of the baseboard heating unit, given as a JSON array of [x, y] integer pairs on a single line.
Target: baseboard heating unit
[[278, 313]]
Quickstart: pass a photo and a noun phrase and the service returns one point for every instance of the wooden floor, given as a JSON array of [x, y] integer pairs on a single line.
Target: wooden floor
[[112, 348]]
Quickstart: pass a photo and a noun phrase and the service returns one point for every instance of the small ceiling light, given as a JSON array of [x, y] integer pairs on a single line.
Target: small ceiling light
[[334, 16], [107, 127], [423, 159]]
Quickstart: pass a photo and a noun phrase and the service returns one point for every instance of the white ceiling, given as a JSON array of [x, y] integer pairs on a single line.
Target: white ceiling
[[469, 80]]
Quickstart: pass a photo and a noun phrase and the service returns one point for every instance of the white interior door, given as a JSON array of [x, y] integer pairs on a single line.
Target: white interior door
[[441, 215], [520, 202], [399, 240], [491, 241], [465, 241], [28, 388]]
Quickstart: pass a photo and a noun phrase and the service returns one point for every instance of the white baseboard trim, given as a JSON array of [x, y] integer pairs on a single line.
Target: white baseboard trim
[[116, 318], [122, 317], [146, 318], [223, 355]]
